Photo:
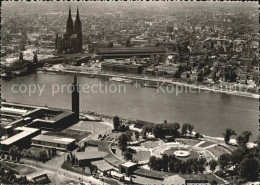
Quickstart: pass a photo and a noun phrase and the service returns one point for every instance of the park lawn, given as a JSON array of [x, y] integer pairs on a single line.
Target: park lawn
[[18, 168], [217, 151], [191, 142], [91, 126], [142, 155], [207, 143], [171, 151], [150, 144]]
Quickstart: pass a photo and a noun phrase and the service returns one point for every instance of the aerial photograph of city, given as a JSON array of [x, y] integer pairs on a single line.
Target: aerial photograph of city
[[129, 92]]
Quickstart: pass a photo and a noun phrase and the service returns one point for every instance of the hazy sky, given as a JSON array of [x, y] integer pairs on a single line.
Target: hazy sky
[[99, 7]]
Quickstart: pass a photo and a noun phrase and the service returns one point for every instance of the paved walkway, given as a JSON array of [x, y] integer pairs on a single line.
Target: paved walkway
[[200, 143], [210, 146]]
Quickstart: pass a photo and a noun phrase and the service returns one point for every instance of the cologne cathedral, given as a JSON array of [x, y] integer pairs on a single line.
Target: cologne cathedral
[[71, 42]]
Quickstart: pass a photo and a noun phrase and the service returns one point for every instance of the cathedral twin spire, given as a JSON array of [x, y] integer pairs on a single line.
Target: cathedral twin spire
[[70, 29]]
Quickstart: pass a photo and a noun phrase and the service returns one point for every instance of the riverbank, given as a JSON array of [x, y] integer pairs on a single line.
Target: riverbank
[[108, 120], [160, 82]]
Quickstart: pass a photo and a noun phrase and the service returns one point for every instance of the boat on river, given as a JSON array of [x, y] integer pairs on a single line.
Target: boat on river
[[120, 79]]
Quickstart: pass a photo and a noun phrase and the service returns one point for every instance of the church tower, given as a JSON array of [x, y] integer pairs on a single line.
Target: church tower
[[75, 97], [69, 27], [78, 31]]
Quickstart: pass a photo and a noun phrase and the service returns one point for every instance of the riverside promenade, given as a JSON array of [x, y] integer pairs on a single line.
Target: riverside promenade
[[161, 81]]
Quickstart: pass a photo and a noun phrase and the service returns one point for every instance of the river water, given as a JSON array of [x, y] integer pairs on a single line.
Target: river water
[[210, 113]]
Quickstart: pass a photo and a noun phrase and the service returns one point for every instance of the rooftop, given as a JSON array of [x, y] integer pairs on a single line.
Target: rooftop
[[129, 50], [102, 165], [26, 131], [53, 139], [13, 110], [89, 155], [128, 164]]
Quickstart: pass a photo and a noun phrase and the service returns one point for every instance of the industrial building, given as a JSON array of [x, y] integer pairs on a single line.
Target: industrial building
[[60, 143], [21, 123], [85, 158], [127, 52], [52, 119], [121, 68], [128, 168], [21, 139]]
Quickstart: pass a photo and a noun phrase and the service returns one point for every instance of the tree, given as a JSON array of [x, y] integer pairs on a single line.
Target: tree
[[129, 134], [213, 164], [237, 156], [171, 166], [73, 160], [2, 156], [172, 158], [137, 135], [152, 162], [201, 168], [42, 155], [190, 128], [177, 166], [128, 156], [146, 129], [122, 142], [13, 150], [12, 177], [165, 161], [157, 131], [122, 128], [159, 164], [241, 141], [29, 153], [184, 129], [184, 167], [110, 44], [83, 149], [128, 43], [229, 132], [68, 158], [174, 127], [247, 135], [224, 161], [249, 169], [116, 123]]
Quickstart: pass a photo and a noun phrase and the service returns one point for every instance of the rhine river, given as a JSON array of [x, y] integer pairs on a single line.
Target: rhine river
[[210, 113]]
